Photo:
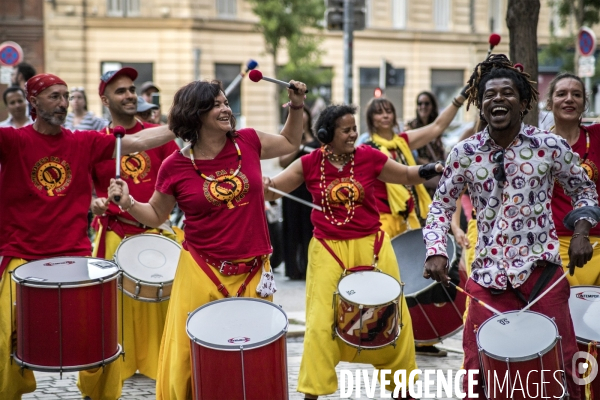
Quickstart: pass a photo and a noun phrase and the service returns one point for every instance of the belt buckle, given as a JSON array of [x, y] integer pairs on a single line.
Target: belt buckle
[[226, 264]]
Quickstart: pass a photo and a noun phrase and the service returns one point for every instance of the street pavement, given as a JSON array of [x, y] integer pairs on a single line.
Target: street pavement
[[290, 296]]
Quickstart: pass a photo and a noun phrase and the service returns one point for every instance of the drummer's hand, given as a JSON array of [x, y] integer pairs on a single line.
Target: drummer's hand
[[99, 205], [267, 182], [580, 248], [436, 267], [119, 188], [297, 95], [460, 237]]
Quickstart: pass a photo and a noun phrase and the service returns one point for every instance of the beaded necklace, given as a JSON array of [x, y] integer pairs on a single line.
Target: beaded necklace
[[325, 196], [222, 178]]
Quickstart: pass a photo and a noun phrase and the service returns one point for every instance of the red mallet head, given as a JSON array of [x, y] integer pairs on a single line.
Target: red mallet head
[[255, 75], [494, 40], [519, 67], [119, 131]]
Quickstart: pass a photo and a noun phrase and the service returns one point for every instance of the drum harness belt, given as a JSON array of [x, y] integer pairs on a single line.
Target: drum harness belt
[[543, 280], [376, 248], [226, 268]]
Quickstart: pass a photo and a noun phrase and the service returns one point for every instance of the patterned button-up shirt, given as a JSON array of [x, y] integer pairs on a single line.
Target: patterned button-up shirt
[[514, 217]]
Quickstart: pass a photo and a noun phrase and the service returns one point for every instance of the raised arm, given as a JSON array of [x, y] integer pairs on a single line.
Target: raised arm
[[146, 139], [152, 214], [291, 135], [418, 138], [286, 181], [394, 172]]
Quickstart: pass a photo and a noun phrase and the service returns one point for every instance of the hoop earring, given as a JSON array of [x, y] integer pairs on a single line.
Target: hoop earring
[[522, 115]]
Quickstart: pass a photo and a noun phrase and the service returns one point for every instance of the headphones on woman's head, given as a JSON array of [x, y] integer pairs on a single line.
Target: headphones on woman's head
[[324, 136]]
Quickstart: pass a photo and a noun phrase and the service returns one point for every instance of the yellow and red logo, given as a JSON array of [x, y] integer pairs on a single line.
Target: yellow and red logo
[[591, 169], [226, 189], [340, 192], [135, 166], [52, 175]]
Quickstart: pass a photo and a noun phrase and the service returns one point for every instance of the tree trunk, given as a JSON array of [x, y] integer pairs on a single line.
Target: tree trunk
[[522, 21]]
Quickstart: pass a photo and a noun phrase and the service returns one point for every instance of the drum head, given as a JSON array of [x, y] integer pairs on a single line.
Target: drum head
[[231, 323], [410, 252], [517, 337], [148, 257], [585, 312], [65, 270], [369, 288]]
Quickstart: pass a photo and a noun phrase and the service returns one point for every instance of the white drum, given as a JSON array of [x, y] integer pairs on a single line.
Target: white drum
[[511, 346], [367, 311], [148, 263], [238, 350]]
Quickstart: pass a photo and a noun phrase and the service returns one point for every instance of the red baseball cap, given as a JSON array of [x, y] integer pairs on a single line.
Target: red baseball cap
[[107, 77]]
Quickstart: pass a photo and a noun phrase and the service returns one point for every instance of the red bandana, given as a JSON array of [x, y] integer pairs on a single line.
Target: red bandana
[[37, 85]]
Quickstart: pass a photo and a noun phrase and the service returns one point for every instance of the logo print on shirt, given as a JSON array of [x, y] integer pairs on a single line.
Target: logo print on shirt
[[226, 191], [591, 170], [136, 166], [51, 174], [339, 192]]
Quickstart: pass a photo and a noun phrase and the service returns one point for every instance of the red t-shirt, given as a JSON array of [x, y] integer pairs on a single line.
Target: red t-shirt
[[381, 197], [561, 203], [139, 170], [368, 164], [46, 190], [226, 221]]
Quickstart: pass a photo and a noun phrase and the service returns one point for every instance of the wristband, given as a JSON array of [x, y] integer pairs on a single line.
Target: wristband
[[582, 235], [428, 171], [131, 204], [293, 107]]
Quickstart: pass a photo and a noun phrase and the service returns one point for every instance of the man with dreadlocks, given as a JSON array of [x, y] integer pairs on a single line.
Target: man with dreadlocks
[[510, 169]]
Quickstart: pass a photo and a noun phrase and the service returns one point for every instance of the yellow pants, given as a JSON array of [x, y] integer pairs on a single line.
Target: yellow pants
[[191, 289], [394, 225], [589, 275], [13, 381], [470, 256], [321, 352]]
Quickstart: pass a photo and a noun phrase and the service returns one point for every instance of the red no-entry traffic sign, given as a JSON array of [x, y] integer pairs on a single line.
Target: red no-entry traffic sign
[[10, 54]]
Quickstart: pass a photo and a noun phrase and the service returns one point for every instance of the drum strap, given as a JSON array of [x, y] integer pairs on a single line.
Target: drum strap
[[376, 249], [211, 275]]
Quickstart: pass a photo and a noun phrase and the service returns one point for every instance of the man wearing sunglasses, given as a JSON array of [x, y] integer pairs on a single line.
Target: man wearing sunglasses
[[45, 195], [510, 169]]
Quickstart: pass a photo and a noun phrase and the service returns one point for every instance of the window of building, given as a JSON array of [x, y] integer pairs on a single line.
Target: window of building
[[226, 73], [399, 14], [369, 81], [226, 8], [496, 16], [123, 8], [441, 14], [445, 84]]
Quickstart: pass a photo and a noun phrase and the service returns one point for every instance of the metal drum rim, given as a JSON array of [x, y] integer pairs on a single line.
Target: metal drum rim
[[395, 299], [72, 368], [363, 347], [257, 345], [523, 358]]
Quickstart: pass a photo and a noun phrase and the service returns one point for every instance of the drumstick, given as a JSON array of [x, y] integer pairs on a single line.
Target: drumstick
[[119, 132], [249, 67], [299, 200], [492, 309], [255, 76], [494, 40], [543, 294]]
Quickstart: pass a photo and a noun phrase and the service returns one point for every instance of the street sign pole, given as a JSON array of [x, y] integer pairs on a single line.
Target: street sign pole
[[348, 43]]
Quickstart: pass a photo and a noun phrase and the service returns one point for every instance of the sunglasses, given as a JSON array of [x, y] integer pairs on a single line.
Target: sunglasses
[[423, 103], [499, 172]]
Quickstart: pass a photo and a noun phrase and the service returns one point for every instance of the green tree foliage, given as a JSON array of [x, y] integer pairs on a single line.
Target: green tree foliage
[[287, 24]]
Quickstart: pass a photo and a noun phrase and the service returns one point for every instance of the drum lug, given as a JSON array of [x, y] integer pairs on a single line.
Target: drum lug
[[335, 315], [137, 289], [160, 292]]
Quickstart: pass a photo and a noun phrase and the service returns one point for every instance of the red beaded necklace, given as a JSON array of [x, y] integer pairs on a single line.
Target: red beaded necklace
[[326, 152], [221, 178]]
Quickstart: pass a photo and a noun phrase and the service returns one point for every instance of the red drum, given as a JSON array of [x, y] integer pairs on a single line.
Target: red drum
[[513, 351], [585, 313], [66, 312], [436, 311], [367, 309], [238, 350]]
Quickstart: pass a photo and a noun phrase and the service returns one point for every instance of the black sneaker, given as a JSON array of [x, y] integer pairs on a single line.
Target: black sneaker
[[430, 351]]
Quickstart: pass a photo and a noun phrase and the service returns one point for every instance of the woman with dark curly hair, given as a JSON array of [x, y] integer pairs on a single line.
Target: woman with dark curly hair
[[217, 182], [347, 234]]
